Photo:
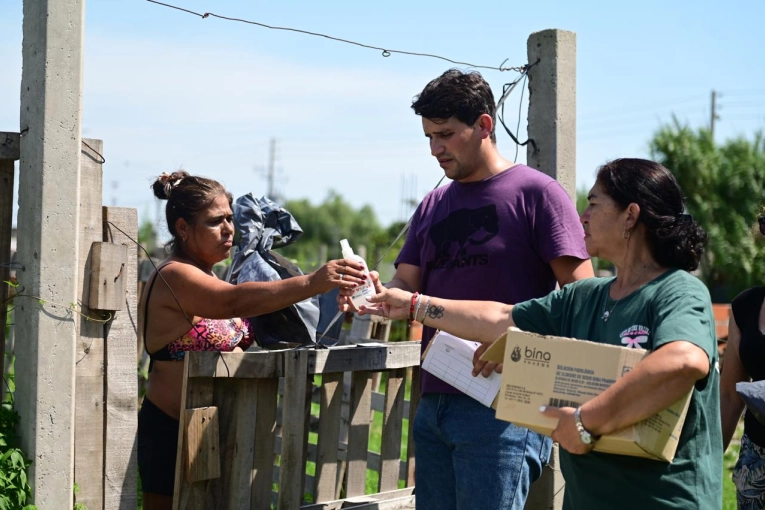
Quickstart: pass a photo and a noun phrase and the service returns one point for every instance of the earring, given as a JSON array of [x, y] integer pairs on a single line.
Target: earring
[[626, 234]]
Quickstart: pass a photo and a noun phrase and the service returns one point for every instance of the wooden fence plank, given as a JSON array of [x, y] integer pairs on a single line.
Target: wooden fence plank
[[120, 450], [381, 498], [265, 435], [414, 400], [329, 430], [378, 402], [240, 365], [347, 358], [9, 146], [358, 434], [237, 401], [308, 454], [373, 459], [390, 445], [89, 372], [202, 444], [292, 470], [6, 231], [195, 393]]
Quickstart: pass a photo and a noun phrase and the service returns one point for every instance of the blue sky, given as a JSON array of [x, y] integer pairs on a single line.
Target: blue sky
[[165, 89]]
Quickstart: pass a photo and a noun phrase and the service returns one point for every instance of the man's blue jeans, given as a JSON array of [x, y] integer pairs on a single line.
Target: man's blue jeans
[[466, 459]]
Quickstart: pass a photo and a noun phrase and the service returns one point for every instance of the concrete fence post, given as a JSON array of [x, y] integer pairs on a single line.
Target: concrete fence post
[[552, 106], [48, 244], [552, 126]]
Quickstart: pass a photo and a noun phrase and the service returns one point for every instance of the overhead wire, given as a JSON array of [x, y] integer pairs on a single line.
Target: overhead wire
[[385, 51]]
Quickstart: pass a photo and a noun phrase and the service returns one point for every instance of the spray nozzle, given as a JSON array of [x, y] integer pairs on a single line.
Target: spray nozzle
[[346, 248]]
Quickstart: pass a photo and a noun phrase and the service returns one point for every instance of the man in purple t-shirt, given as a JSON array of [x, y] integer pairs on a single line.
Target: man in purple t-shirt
[[498, 232]]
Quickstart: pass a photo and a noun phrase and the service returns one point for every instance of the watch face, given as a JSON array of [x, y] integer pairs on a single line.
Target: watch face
[[586, 437]]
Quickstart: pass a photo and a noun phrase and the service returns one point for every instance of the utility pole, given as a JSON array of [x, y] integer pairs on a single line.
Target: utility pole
[[713, 114], [271, 158]]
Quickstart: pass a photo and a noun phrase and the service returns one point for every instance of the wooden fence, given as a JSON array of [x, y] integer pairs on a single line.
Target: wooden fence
[[236, 450], [105, 372]]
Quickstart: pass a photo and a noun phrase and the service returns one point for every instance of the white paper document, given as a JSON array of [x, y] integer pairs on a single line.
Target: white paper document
[[451, 359]]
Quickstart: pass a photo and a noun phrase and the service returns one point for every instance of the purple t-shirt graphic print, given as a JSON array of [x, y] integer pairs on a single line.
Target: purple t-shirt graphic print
[[491, 240]]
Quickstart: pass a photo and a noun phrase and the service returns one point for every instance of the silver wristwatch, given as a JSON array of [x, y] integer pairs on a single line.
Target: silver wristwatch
[[584, 434]]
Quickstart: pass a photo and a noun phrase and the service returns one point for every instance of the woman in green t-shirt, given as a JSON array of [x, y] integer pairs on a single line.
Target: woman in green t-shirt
[[635, 219]]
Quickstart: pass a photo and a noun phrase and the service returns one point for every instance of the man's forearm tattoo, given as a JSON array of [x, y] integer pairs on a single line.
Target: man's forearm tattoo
[[435, 311]]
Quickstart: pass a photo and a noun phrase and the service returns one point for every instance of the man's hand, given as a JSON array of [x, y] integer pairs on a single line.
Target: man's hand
[[484, 368]]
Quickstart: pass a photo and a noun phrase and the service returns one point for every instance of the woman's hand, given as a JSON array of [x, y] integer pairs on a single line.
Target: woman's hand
[[343, 273], [566, 433], [393, 303]]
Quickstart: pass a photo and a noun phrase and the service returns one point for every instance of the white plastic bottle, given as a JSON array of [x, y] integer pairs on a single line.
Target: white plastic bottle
[[366, 289]]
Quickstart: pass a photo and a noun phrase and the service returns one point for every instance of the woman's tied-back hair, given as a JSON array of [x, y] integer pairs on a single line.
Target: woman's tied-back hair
[[675, 239], [464, 96], [187, 196]]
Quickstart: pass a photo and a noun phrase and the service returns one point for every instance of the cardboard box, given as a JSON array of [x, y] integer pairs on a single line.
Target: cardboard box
[[563, 372]]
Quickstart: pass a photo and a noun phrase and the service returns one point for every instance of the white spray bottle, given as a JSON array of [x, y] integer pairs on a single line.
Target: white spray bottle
[[366, 289]]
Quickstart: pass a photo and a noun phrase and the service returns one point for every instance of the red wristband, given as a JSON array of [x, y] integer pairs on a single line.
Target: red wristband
[[411, 306]]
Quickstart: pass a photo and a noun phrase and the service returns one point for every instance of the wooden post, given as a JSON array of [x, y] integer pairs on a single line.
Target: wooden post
[[89, 391], [552, 125], [292, 469], [9, 152], [120, 455], [48, 220]]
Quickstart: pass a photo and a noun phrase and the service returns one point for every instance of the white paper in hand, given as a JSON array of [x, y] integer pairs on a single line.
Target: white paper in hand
[[450, 358]]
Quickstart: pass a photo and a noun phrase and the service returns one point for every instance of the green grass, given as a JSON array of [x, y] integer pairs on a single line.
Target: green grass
[[375, 437], [729, 461]]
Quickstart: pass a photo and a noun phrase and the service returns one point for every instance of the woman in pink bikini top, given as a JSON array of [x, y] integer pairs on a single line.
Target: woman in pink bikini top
[[187, 308]]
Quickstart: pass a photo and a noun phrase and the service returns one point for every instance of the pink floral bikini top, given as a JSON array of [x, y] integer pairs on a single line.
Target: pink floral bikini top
[[207, 335]]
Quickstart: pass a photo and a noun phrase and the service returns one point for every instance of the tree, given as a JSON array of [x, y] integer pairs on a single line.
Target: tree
[[724, 188], [329, 222], [147, 236]]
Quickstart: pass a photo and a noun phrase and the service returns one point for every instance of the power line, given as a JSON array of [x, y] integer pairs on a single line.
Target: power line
[[750, 92], [640, 117], [385, 52], [639, 108]]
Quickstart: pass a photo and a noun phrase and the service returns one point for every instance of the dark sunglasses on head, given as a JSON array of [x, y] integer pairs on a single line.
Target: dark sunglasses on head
[[761, 221]]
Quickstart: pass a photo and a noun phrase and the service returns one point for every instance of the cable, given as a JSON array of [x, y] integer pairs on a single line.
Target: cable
[[201, 334], [385, 52], [507, 90], [520, 108], [103, 159]]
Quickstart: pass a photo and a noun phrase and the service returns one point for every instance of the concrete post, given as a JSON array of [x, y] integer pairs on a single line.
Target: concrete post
[[48, 223], [552, 126], [552, 106]]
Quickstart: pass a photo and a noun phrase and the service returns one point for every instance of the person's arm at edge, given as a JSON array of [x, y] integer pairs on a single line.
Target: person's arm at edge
[[731, 404]]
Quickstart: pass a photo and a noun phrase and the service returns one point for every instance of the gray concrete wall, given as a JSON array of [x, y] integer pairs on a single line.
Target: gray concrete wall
[[48, 221]]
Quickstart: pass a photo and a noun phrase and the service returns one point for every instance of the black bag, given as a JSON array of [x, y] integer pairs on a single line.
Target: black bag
[[261, 226]]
